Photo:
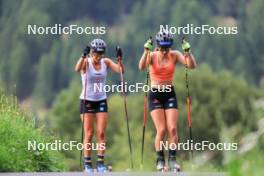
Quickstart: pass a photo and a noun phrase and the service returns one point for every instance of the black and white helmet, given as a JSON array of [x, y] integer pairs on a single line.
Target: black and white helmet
[[98, 46], [164, 39]]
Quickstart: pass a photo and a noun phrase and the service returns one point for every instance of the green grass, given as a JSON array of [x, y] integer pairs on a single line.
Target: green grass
[[16, 129], [250, 163]]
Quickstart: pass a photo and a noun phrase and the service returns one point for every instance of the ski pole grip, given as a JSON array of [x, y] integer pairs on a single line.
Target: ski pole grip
[[118, 52], [183, 39], [151, 39]]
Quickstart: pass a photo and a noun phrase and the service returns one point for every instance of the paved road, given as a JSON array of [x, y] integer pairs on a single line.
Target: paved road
[[115, 174]]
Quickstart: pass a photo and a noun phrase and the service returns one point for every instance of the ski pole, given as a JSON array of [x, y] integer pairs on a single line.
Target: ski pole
[[188, 99], [144, 116], [83, 108], [119, 58], [144, 120]]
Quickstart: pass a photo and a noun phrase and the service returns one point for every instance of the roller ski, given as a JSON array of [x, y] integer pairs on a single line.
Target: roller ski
[[172, 165], [88, 169], [160, 165], [101, 167]]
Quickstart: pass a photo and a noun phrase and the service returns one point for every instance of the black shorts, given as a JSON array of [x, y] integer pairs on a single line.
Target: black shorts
[[162, 100], [87, 106]]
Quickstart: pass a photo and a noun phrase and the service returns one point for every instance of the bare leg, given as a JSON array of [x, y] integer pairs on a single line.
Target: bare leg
[[172, 117], [171, 120], [101, 123], [88, 132], [158, 116]]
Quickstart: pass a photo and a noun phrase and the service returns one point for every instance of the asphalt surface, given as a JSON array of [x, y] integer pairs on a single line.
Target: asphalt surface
[[116, 174]]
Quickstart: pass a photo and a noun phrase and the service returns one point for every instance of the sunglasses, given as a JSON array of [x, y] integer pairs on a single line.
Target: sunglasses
[[100, 52]]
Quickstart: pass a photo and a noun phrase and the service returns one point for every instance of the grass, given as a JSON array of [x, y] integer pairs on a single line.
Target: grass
[[250, 163], [16, 129]]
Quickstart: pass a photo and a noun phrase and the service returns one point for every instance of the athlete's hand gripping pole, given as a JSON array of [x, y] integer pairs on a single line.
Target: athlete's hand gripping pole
[[119, 59]]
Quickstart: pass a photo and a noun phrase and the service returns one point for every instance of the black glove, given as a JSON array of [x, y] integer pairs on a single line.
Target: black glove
[[86, 51], [118, 52]]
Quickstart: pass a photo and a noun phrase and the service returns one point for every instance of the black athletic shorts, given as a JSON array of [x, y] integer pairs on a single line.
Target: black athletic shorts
[[158, 99], [87, 106]]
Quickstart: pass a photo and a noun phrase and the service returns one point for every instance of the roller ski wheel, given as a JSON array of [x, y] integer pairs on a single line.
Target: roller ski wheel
[[160, 165], [173, 166], [88, 169], [110, 168], [177, 168], [101, 168], [164, 169]]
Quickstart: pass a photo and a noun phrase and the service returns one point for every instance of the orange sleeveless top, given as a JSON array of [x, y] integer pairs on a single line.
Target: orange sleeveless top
[[161, 72]]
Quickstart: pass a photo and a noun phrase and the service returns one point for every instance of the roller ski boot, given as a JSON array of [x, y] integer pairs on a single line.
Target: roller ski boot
[[160, 165], [173, 166], [101, 167], [88, 168]]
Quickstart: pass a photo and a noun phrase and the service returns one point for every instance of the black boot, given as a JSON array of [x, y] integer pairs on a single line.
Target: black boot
[[100, 166], [88, 166], [173, 166], [160, 164]]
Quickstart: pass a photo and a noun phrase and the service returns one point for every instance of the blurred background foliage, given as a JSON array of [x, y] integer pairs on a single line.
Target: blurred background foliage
[[226, 88]]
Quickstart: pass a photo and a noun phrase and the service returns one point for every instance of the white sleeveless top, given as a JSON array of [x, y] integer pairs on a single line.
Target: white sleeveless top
[[95, 82]]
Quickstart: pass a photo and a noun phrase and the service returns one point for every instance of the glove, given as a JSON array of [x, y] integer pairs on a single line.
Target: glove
[[149, 44], [118, 53], [86, 51], [185, 45]]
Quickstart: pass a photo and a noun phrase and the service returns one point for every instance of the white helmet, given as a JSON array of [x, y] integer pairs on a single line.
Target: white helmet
[[164, 39], [98, 45]]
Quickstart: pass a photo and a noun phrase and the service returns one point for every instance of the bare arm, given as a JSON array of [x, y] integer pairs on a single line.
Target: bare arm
[[80, 65], [144, 60], [115, 67], [191, 63]]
